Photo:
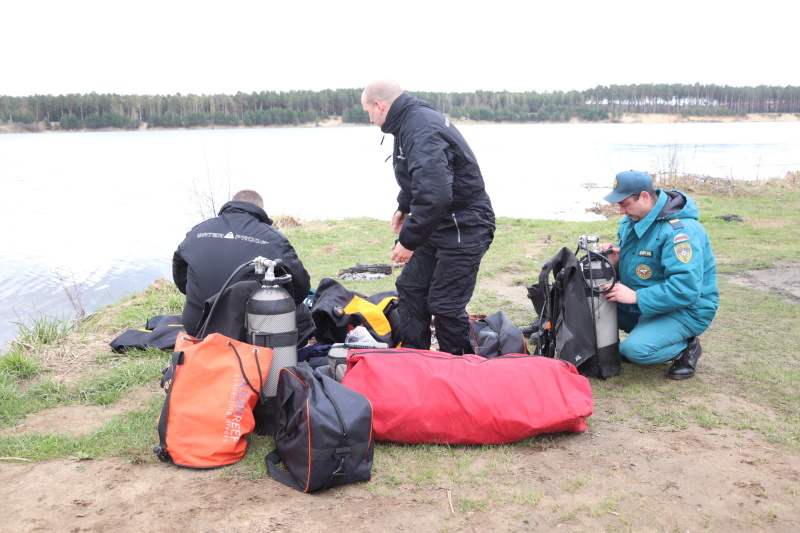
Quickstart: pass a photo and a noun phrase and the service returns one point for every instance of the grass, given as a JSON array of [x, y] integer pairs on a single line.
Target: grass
[[19, 364], [41, 330], [752, 386]]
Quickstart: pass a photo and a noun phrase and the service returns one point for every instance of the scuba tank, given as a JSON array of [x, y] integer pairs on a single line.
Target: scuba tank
[[597, 272], [271, 322]]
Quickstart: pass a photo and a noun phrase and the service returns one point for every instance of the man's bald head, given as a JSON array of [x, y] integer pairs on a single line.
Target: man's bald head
[[377, 98], [385, 91]]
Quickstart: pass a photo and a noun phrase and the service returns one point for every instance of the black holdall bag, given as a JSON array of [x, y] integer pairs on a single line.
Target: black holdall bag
[[323, 432]]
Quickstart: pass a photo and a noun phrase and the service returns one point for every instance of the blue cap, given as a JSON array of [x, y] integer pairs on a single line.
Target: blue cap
[[628, 183]]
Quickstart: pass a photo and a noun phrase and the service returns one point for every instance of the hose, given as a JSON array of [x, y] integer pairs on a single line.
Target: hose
[[603, 258], [225, 286]]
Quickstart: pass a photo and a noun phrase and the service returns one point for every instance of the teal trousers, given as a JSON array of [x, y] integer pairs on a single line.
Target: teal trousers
[[652, 339]]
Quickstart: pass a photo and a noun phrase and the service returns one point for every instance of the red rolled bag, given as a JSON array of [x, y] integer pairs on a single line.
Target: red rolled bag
[[423, 396]]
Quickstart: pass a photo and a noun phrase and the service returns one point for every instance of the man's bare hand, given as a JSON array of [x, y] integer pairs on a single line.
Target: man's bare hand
[[620, 293], [400, 254], [397, 221], [613, 255]]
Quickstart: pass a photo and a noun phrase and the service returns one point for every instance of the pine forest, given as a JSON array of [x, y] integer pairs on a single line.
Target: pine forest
[[266, 108]]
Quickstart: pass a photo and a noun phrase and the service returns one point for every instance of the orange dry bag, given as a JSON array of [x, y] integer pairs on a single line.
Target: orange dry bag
[[212, 386]]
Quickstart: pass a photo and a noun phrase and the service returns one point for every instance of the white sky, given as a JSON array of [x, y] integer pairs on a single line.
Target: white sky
[[201, 47]]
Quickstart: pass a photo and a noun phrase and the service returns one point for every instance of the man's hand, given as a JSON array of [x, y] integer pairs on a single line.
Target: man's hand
[[620, 293], [400, 254], [613, 255], [397, 221]]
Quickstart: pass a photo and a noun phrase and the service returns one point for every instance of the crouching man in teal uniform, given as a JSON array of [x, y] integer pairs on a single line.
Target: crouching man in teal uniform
[[667, 291]]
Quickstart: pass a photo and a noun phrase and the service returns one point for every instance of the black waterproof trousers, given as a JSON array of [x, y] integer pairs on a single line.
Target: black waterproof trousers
[[438, 282]]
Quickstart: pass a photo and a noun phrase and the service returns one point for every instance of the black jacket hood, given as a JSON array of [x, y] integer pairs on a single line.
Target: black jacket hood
[[246, 207], [399, 108]]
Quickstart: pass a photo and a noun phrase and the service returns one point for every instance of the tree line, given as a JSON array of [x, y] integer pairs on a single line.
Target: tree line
[[96, 111]]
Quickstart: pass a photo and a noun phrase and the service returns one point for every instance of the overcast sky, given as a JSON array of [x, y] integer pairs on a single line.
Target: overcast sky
[[200, 47]]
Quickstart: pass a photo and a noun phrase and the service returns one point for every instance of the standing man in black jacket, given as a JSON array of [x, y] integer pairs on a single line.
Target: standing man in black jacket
[[214, 249], [444, 217]]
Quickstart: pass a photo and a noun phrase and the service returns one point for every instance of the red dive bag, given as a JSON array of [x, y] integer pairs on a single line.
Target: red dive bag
[[422, 396], [212, 386]]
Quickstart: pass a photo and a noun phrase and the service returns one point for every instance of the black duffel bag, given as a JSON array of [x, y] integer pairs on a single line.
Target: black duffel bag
[[317, 412]]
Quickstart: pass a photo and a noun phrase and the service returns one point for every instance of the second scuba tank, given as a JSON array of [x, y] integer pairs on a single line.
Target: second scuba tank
[[597, 273], [271, 322]]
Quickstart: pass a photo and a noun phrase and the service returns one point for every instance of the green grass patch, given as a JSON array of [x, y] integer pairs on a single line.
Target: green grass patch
[[19, 364], [110, 385], [746, 381], [130, 436], [41, 330]]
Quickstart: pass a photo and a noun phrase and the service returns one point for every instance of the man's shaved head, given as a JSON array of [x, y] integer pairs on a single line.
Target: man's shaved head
[[385, 91], [378, 98]]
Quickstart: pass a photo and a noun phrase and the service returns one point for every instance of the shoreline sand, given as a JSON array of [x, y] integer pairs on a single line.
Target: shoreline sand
[[627, 118]]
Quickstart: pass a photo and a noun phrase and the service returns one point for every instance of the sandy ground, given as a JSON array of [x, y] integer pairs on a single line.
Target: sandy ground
[[614, 477], [629, 118]]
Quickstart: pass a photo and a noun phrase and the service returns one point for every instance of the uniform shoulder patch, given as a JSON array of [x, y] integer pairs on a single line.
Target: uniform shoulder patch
[[680, 237], [676, 223], [683, 252]]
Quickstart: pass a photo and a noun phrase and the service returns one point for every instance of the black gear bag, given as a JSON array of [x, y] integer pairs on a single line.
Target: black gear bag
[[565, 328], [323, 432]]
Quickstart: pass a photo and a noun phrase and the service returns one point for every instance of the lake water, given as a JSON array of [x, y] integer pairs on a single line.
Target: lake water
[[107, 210]]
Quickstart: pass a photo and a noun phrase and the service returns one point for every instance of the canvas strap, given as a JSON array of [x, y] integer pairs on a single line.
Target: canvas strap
[[272, 459], [274, 340]]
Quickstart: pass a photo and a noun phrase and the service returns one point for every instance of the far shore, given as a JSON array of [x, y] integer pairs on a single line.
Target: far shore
[[627, 118], [656, 118]]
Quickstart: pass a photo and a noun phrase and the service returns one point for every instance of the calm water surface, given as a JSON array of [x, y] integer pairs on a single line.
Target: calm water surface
[[106, 210]]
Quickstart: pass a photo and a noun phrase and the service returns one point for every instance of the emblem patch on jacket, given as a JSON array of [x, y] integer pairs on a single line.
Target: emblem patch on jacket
[[645, 253], [644, 271], [680, 237], [683, 252]]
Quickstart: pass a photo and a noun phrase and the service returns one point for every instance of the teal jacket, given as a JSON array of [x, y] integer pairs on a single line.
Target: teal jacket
[[666, 258]]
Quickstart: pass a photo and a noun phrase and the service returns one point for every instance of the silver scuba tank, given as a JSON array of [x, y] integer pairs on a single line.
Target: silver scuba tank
[[271, 322], [598, 272]]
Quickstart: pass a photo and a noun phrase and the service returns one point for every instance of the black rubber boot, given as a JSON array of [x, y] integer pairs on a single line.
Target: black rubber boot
[[684, 365]]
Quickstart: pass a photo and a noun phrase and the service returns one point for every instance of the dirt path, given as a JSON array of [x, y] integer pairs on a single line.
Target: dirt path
[[612, 478]]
